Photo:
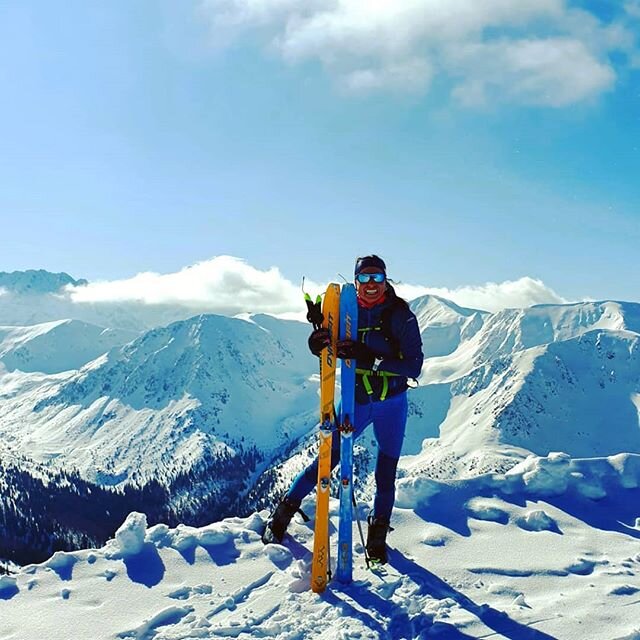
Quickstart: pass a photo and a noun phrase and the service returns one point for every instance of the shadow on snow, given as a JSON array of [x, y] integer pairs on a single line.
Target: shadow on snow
[[146, 567]]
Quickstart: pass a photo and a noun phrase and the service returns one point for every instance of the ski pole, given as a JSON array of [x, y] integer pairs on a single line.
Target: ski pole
[[364, 546]]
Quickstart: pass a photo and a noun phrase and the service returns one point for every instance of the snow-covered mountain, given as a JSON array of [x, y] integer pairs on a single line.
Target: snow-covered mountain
[[57, 346], [548, 378], [178, 396], [35, 282], [36, 297], [517, 329], [444, 325], [212, 416]]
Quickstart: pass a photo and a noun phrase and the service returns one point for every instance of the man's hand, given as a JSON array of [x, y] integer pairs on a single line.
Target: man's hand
[[319, 340], [354, 350]]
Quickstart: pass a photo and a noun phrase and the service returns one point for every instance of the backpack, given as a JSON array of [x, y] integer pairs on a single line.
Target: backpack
[[384, 326]]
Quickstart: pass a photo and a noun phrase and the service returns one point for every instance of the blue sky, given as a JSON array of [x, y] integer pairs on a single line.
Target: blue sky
[[482, 146]]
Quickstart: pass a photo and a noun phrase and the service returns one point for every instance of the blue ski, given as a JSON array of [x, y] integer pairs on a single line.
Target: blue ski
[[348, 331]]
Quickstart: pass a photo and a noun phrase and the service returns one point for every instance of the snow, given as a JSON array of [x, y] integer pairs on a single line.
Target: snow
[[537, 520], [46, 347], [517, 498], [494, 564], [168, 399], [129, 540]]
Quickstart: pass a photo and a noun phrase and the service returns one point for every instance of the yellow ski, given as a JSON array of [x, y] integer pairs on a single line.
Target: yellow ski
[[321, 566]]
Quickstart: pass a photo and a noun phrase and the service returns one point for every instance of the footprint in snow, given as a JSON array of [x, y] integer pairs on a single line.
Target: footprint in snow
[[169, 616], [184, 593], [624, 590], [435, 540], [582, 567], [279, 555]]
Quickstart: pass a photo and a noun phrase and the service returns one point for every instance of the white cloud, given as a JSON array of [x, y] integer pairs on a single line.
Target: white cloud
[[491, 296], [632, 7], [229, 286], [554, 71], [539, 52], [224, 284], [409, 75]]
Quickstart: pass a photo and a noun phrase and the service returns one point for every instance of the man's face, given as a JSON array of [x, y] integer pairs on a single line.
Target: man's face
[[371, 291]]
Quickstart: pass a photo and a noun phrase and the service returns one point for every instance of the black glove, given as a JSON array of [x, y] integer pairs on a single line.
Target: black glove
[[318, 340], [353, 350]]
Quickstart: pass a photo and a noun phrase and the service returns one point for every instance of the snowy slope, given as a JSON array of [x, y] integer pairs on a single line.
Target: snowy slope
[[506, 392], [178, 395], [57, 346], [532, 554], [200, 389]]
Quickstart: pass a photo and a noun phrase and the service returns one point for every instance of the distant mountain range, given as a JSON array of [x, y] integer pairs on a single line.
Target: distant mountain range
[[37, 297], [221, 411], [36, 282]]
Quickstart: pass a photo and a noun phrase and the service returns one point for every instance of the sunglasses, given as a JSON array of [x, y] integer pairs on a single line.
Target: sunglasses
[[363, 278]]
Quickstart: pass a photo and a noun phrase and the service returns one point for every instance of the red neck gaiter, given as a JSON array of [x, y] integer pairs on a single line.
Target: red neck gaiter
[[365, 304]]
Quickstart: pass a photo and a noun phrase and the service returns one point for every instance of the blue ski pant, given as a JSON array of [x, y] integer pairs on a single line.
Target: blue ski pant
[[389, 418]]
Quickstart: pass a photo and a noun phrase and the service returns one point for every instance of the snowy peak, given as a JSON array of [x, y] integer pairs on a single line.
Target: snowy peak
[[440, 309], [579, 396], [195, 356], [444, 324], [515, 329], [547, 378], [53, 347], [36, 281], [570, 319]]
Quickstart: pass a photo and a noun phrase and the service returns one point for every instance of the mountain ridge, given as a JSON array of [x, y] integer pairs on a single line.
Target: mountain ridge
[[211, 397], [37, 281]]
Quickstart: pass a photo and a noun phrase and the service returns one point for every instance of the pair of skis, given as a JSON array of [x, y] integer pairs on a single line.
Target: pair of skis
[[340, 316]]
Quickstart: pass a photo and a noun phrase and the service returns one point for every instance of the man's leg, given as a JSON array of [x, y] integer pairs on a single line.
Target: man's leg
[[390, 417], [307, 479], [389, 422]]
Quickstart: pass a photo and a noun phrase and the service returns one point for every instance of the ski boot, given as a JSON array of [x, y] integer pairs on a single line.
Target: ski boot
[[377, 539], [279, 521]]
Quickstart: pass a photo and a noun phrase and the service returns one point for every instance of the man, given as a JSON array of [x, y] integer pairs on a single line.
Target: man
[[388, 352]]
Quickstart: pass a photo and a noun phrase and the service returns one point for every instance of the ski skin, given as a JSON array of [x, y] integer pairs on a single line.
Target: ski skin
[[348, 331], [321, 563]]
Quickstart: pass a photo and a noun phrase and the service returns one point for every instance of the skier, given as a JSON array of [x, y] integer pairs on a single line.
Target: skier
[[388, 352]]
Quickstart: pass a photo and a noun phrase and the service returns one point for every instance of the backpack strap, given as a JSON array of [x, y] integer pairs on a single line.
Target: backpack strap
[[384, 326], [385, 375]]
